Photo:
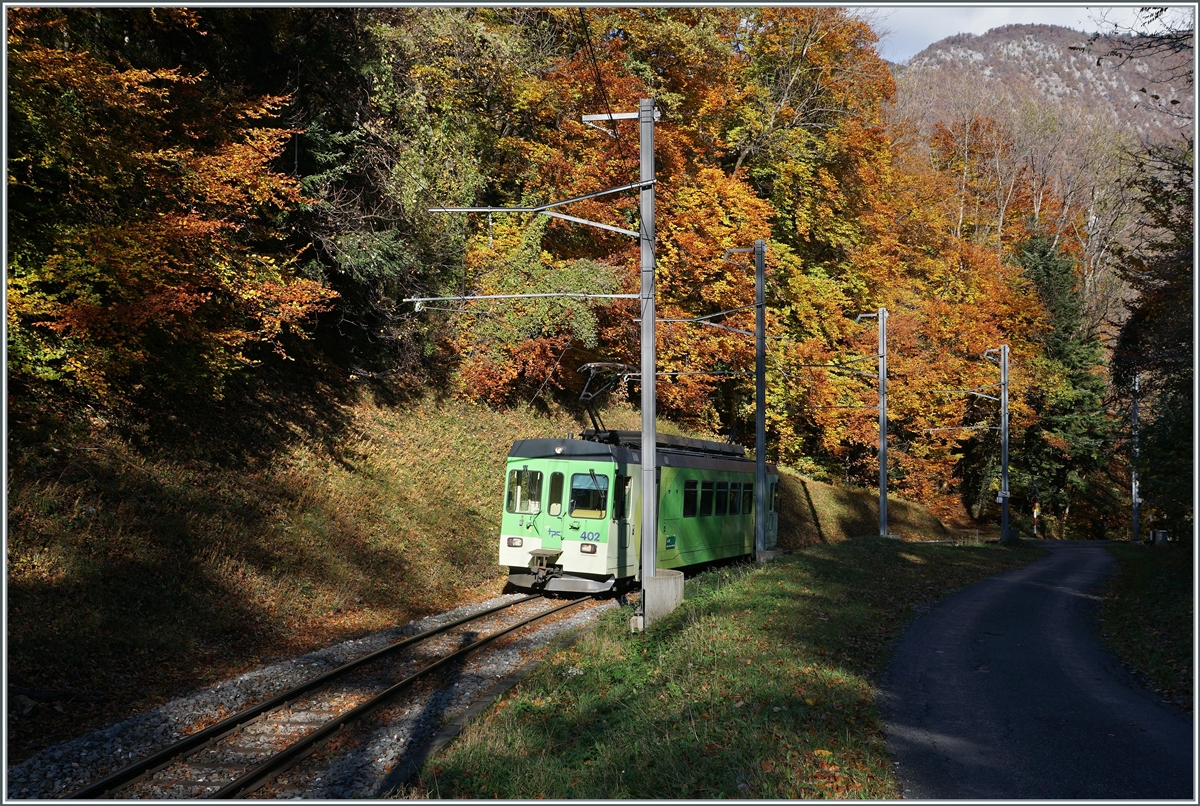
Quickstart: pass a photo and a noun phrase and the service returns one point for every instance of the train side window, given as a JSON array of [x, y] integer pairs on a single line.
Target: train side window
[[589, 496], [706, 498], [524, 491], [621, 497], [735, 498], [722, 498], [748, 499], [554, 502], [689, 499]]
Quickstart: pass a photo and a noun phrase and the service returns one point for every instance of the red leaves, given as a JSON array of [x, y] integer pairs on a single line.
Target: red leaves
[[157, 234]]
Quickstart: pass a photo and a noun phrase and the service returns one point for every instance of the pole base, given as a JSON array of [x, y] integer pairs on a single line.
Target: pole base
[[663, 593]]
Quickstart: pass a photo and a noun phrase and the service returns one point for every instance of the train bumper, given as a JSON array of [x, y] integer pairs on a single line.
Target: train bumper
[[566, 583]]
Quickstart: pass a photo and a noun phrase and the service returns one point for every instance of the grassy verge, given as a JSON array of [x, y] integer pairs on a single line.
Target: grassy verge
[[758, 686], [1148, 615], [138, 573], [134, 575], [813, 512]]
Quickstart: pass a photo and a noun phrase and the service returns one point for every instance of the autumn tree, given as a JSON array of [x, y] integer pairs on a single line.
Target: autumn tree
[[1155, 344], [1022, 165], [147, 226]]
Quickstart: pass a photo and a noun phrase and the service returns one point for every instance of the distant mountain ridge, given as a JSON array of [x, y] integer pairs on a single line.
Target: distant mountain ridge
[[1041, 56]]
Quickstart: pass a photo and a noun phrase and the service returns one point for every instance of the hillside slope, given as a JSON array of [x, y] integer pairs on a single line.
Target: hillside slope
[[1041, 56], [813, 512], [132, 578]]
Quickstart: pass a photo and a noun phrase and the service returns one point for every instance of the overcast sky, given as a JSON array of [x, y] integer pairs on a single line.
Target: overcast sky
[[907, 30]]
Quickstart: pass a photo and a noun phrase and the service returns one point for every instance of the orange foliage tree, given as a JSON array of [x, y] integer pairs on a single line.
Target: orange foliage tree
[[145, 221], [149, 228], [773, 126]]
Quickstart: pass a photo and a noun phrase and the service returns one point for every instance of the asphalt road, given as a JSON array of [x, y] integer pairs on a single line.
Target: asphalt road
[[1003, 690]]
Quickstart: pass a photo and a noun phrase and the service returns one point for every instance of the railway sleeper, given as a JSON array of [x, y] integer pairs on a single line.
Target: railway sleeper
[[215, 765]]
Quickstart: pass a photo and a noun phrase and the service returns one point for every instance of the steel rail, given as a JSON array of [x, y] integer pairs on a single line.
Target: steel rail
[[268, 769], [189, 744]]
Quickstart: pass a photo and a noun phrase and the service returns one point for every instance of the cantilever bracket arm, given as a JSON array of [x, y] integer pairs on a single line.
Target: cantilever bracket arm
[[596, 224], [544, 209], [974, 391], [729, 252], [613, 118], [703, 320], [964, 428], [420, 301]]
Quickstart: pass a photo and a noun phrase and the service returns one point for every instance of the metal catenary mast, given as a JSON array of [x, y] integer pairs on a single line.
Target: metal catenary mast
[[646, 117], [1134, 492], [881, 315]]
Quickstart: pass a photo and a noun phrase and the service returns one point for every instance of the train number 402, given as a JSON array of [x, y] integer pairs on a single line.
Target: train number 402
[[592, 536]]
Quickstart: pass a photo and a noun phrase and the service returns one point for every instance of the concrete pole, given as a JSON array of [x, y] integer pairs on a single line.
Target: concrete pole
[[1004, 535], [1137, 501], [760, 397], [883, 465], [649, 358]]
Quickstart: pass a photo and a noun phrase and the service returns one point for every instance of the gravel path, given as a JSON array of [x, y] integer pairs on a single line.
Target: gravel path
[[364, 772]]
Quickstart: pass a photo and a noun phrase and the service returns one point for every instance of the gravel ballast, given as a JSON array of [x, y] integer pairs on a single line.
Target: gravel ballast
[[363, 772]]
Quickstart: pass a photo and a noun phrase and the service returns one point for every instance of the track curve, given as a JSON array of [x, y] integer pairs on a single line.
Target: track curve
[[227, 760]]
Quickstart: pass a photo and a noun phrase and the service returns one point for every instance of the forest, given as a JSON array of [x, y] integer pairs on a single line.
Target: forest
[[219, 212]]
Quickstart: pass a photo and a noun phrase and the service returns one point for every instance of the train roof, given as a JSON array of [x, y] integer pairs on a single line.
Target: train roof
[[667, 455], [571, 449], [633, 441]]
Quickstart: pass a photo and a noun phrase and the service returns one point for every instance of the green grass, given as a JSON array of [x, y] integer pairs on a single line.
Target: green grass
[[136, 573], [758, 686], [822, 513], [1148, 615]]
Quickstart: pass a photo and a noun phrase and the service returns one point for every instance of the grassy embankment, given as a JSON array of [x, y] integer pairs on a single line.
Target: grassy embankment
[[1148, 615], [760, 686], [134, 575]]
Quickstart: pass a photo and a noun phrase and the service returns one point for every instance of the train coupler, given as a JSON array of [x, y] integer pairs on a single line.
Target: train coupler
[[543, 567]]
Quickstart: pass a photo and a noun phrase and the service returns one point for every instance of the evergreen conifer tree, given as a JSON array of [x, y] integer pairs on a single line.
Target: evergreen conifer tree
[[1066, 449]]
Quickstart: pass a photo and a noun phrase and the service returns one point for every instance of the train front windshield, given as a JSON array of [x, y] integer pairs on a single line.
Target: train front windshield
[[524, 491], [589, 496]]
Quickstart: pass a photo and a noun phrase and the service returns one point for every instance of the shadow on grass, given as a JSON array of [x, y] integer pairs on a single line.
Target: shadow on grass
[[156, 552], [257, 414], [758, 686], [151, 569]]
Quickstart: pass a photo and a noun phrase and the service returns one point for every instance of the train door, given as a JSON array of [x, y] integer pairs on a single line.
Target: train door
[[621, 550], [554, 516], [630, 564], [671, 536]]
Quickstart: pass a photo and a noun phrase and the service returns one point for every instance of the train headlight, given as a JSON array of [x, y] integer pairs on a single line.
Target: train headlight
[[515, 542], [558, 449], [587, 548]]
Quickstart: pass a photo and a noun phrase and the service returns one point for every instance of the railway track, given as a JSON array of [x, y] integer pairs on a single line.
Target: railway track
[[300, 732]]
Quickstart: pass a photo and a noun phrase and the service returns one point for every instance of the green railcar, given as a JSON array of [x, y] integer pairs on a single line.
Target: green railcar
[[572, 508]]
